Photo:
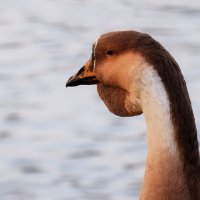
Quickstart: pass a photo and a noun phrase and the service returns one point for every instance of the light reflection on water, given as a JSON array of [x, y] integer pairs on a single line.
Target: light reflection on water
[[58, 143]]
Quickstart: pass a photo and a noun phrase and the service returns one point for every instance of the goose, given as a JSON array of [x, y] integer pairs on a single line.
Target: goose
[[135, 74]]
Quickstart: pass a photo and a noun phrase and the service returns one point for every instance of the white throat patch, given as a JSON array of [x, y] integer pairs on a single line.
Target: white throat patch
[[156, 107]]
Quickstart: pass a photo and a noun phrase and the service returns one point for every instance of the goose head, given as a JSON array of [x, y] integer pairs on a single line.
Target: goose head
[[115, 66]]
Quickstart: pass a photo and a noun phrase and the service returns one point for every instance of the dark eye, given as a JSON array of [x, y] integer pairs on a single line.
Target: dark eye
[[109, 53]]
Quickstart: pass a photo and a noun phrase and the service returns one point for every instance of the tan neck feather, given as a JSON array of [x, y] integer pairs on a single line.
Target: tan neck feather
[[163, 174]]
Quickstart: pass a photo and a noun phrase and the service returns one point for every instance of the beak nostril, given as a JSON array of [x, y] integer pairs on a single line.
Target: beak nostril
[[81, 70]]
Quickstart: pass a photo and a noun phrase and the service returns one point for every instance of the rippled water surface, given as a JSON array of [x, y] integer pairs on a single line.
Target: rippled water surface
[[63, 144]]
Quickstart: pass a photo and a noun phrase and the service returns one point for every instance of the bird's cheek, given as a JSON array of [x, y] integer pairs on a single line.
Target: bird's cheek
[[104, 74]]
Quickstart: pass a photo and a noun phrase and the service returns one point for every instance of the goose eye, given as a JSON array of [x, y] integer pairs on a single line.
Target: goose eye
[[109, 52]]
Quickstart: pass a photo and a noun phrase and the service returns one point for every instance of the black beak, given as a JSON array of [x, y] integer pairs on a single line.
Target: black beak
[[85, 76]]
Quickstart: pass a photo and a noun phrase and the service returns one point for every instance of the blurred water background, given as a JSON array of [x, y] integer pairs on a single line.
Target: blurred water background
[[63, 144]]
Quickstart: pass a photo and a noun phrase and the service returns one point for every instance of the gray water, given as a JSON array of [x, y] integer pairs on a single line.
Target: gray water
[[63, 144]]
